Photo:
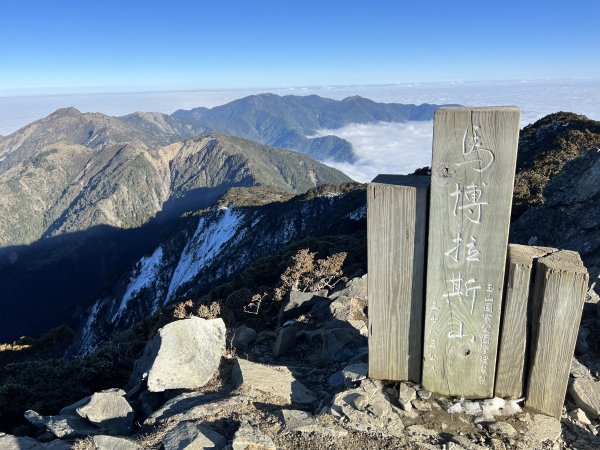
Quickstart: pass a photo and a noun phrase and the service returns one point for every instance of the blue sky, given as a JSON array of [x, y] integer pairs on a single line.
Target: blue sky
[[80, 46]]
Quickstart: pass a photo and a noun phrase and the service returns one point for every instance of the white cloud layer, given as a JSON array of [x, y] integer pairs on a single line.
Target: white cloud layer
[[380, 148], [395, 148], [535, 98]]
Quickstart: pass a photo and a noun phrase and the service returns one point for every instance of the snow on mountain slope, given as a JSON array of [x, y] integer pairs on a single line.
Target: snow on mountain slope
[[146, 270], [210, 249], [205, 245]]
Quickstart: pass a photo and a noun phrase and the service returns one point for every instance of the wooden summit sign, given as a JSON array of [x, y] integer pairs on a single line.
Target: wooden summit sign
[[472, 176]]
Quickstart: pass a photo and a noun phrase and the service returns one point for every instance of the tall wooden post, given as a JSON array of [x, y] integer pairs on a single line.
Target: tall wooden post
[[516, 323], [396, 224], [473, 169], [561, 283]]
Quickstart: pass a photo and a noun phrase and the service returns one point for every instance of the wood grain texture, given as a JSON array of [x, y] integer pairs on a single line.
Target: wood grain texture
[[396, 230], [473, 169], [560, 286], [515, 335]]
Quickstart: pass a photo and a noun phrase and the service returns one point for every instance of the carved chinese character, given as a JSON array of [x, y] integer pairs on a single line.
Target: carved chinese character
[[473, 253], [475, 154], [469, 201], [454, 252]]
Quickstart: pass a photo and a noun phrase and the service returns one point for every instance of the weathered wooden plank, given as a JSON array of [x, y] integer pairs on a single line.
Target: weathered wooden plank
[[515, 336], [560, 286], [396, 224], [474, 157]]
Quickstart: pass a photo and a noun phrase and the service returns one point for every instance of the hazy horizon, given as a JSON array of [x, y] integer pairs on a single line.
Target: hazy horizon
[[383, 147]]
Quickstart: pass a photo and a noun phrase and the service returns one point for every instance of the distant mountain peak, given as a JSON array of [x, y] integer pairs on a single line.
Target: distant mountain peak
[[354, 97], [69, 111]]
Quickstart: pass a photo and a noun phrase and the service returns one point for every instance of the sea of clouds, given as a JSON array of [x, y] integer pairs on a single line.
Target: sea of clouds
[[380, 147]]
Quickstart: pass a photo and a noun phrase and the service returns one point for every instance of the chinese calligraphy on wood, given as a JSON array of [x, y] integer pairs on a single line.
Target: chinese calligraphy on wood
[[474, 157]]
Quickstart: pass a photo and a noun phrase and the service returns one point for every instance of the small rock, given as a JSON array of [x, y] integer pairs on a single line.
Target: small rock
[[286, 341], [115, 443], [378, 416], [344, 309], [194, 406], [71, 410], [421, 405], [192, 436], [276, 381], [423, 394], [360, 326], [248, 437], [334, 344], [502, 428], [298, 303], [412, 414], [356, 287], [62, 426], [579, 415], [542, 428], [578, 370], [242, 337], [406, 395], [185, 354], [108, 410], [293, 418], [586, 394], [304, 422], [360, 402], [349, 374], [148, 402], [355, 372]]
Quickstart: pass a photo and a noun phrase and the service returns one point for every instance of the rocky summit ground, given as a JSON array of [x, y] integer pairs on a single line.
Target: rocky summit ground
[[301, 384]]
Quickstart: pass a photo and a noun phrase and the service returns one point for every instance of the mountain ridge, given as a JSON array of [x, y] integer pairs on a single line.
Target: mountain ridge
[[289, 122], [72, 187]]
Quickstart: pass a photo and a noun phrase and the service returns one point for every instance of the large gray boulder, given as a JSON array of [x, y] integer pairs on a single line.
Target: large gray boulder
[[108, 410], [192, 436], [274, 381], [286, 341], [63, 426], [115, 443], [356, 287], [586, 393], [202, 412], [298, 302], [242, 337], [10, 442], [181, 404], [249, 437], [185, 354]]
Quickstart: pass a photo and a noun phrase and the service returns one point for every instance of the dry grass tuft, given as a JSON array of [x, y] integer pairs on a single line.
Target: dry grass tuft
[[13, 347], [84, 444], [184, 310], [211, 311]]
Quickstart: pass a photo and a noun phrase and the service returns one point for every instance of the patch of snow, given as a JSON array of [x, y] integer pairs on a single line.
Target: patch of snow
[[486, 410], [206, 243], [146, 271], [87, 345], [358, 214], [288, 231]]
